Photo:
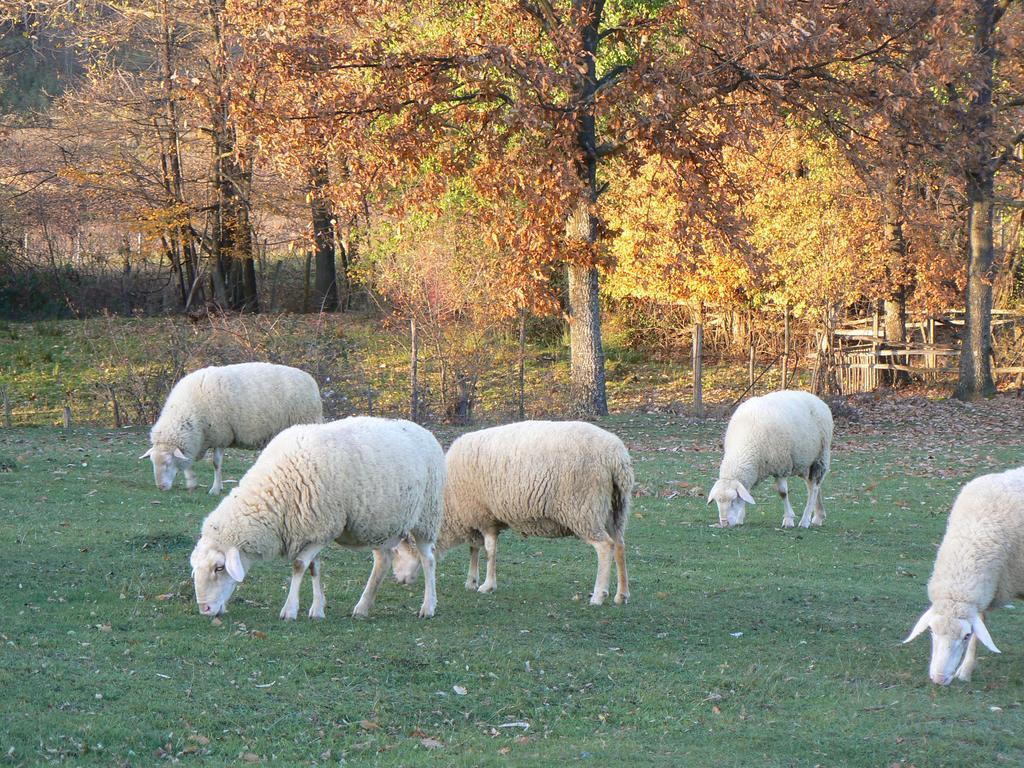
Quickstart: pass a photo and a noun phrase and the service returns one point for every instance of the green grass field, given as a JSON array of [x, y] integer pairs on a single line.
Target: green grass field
[[751, 646]]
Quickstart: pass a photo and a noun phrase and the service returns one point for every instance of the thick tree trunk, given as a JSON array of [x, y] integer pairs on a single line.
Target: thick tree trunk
[[894, 306], [325, 290], [587, 383], [976, 344], [586, 379], [233, 247]]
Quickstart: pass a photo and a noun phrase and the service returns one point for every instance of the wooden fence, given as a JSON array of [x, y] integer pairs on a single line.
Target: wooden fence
[[862, 356]]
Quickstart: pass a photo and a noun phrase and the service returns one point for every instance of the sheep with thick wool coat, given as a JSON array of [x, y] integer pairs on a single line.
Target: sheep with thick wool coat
[[538, 478], [218, 407], [777, 435], [979, 566], [361, 482]]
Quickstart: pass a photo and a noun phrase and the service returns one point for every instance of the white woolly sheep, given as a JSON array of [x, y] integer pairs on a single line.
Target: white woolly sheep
[[361, 482], [777, 435], [539, 478], [979, 566], [219, 407]]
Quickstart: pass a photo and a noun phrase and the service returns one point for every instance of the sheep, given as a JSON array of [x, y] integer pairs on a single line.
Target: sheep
[[361, 482], [215, 408], [778, 435], [539, 478], [979, 566]]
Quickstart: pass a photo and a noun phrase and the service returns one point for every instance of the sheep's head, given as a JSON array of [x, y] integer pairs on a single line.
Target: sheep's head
[[216, 573], [950, 638], [732, 498], [405, 562], [167, 461]]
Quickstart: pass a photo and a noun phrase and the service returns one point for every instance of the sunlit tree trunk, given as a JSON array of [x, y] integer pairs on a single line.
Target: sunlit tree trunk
[[587, 383], [976, 345]]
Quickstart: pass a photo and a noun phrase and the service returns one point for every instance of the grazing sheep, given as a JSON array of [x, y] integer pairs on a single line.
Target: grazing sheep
[[232, 405], [778, 435], [980, 566], [539, 478], [362, 482]]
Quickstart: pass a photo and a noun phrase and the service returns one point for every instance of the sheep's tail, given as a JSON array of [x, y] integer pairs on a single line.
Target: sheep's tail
[[622, 492]]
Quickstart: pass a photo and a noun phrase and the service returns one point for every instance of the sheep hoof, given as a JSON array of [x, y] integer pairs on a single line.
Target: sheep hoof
[[485, 587], [622, 598], [805, 523], [427, 611], [818, 520], [598, 599], [316, 613], [471, 584], [289, 615], [215, 490], [360, 612], [788, 523]]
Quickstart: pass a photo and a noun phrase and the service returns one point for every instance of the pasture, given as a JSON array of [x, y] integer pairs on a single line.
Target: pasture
[[750, 646]]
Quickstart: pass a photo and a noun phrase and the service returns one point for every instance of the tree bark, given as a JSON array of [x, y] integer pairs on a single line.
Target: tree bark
[[233, 251], [975, 379], [588, 398], [173, 179], [894, 306], [586, 380], [325, 289]]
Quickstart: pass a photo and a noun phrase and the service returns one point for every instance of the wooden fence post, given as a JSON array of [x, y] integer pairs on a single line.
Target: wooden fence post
[[67, 417], [522, 364], [7, 409], [698, 367], [414, 358], [785, 349]]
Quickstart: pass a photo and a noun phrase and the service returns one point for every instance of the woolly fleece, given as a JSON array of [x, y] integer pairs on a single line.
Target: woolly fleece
[[362, 482], [241, 405], [780, 435]]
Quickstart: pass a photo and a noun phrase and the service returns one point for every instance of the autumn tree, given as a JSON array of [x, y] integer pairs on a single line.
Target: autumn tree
[[532, 99], [672, 248]]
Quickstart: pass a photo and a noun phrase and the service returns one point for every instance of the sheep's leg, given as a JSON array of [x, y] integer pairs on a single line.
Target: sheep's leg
[[967, 665], [381, 563], [218, 460], [622, 594], [604, 548], [290, 611], [429, 562], [819, 508], [191, 481], [491, 547], [813, 504], [782, 486], [316, 609], [474, 568]]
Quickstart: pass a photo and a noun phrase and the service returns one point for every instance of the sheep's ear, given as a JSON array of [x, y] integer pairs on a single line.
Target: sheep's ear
[[179, 454], [744, 494], [711, 493], [921, 626], [146, 454], [233, 564], [982, 632]]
